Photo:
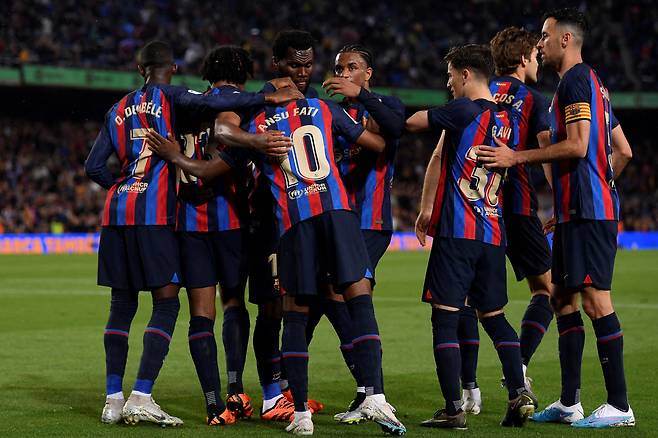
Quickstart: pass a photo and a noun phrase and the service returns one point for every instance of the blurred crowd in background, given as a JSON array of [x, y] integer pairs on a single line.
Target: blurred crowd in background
[[42, 183], [43, 187], [409, 39]]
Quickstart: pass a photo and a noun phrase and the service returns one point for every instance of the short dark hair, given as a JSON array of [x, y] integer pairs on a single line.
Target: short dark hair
[[292, 38], [476, 57], [155, 54], [228, 63], [361, 50], [509, 45], [571, 17]]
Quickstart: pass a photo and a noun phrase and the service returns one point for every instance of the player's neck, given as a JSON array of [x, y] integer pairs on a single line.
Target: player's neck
[[518, 74], [569, 60], [478, 91], [223, 83]]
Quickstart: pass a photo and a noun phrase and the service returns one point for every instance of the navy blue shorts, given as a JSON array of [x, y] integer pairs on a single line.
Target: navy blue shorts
[[376, 242], [263, 241], [136, 258], [584, 254], [460, 268], [527, 247], [214, 257], [325, 249]]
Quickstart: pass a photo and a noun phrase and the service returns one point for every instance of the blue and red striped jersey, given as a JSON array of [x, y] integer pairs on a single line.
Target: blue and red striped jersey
[[306, 182], [368, 175], [145, 191], [531, 109], [468, 202], [584, 188], [227, 210]]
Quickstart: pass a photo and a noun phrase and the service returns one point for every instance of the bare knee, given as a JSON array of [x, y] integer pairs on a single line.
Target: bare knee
[[596, 303]]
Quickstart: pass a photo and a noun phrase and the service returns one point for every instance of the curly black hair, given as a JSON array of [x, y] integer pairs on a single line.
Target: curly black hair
[[297, 39], [227, 63], [361, 50]]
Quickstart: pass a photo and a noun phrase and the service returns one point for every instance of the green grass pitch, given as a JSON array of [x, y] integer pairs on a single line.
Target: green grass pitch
[[52, 363]]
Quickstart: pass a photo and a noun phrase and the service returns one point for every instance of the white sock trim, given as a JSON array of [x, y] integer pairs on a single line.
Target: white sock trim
[[116, 396], [139, 393]]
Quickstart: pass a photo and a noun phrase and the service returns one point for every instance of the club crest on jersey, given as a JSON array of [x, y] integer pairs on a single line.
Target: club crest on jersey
[[283, 115]]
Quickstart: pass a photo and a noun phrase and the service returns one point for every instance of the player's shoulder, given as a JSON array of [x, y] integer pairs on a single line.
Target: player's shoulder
[[578, 72], [390, 101]]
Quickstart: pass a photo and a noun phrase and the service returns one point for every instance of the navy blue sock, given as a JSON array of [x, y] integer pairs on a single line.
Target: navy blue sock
[[157, 337], [295, 357], [535, 322], [469, 346], [447, 356], [122, 311], [315, 314], [203, 348], [571, 344], [266, 350], [610, 344], [235, 333], [508, 348], [339, 317], [367, 344]]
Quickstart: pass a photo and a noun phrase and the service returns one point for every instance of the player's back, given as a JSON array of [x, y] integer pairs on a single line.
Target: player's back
[[467, 203], [144, 193], [584, 188], [306, 182], [531, 117]]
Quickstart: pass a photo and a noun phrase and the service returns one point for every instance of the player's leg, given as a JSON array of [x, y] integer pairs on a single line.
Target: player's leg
[[571, 332], [203, 349], [200, 277], [347, 261], [601, 239], [469, 346], [530, 256], [161, 276], [488, 294], [113, 272], [447, 280]]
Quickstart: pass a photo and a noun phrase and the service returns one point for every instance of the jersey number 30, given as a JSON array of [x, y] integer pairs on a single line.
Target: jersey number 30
[[309, 156], [478, 186]]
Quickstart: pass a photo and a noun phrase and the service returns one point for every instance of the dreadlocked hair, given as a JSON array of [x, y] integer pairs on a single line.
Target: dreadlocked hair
[[227, 63], [361, 50]]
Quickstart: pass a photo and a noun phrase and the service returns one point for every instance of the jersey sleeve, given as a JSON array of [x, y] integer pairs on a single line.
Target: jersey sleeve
[[539, 119], [96, 163], [236, 158], [614, 122], [575, 96], [388, 112], [343, 124], [206, 106], [452, 116]]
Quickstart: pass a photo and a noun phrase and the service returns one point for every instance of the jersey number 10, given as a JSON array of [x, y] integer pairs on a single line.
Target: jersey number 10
[[309, 155]]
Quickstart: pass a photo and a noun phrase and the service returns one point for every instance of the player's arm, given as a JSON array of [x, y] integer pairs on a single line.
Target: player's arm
[[169, 150], [372, 141], [228, 132], [419, 122], [574, 146], [544, 140], [353, 131], [430, 184], [390, 120], [96, 163], [621, 151]]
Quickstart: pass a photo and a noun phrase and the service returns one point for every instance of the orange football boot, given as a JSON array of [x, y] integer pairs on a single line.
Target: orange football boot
[[223, 419], [313, 405], [240, 405], [283, 410]]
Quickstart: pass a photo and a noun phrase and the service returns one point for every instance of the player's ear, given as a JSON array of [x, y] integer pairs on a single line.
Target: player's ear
[[174, 68], [465, 75], [141, 70], [275, 64], [566, 37], [524, 61], [368, 73]]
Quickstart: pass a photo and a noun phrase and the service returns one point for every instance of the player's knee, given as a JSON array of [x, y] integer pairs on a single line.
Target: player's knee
[[597, 304], [124, 302], [170, 305], [232, 297], [272, 309], [489, 313]]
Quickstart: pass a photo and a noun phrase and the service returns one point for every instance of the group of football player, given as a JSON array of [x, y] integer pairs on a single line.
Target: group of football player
[[291, 194]]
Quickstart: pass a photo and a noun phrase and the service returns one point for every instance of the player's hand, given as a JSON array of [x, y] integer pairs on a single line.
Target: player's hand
[[286, 82], [342, 86], [272, 143], [166, 148], [422, 225], [283, 95], [501, 157], [549, 226]]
